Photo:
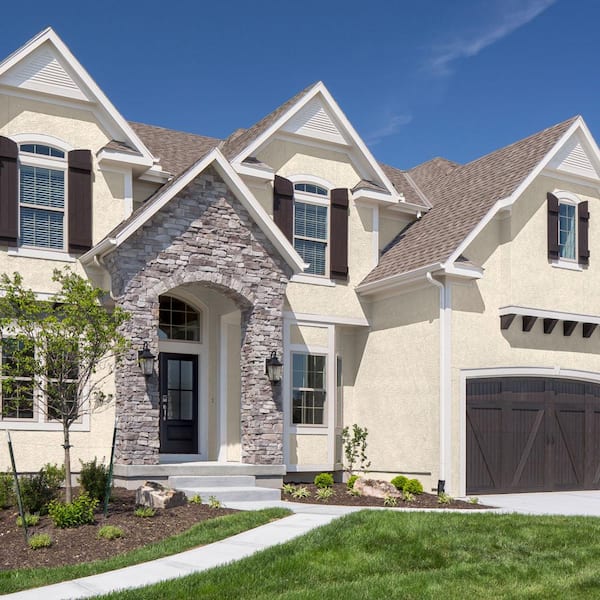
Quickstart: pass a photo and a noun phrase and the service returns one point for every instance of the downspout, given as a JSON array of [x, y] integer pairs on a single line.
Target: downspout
[[445, 381]]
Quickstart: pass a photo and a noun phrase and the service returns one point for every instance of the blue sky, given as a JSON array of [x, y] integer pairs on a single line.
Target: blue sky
[[417, 79]]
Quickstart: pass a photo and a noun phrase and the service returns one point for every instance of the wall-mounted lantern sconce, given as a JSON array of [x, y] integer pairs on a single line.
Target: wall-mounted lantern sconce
[[146, 360], [273, 368]]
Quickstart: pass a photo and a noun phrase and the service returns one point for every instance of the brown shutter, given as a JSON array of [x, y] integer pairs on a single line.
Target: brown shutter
[[79, 206], [9, 192], [583, 217], [338, 250], [283, 206], [553, 248]]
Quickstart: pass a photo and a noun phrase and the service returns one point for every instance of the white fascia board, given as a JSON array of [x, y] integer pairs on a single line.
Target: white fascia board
[[238, 187], [114, 156], [464, 271], [325, 319], [319, 88], [548, 314], [398, 280], [255, 172], [508, 202], [375, 197], [98, 97]]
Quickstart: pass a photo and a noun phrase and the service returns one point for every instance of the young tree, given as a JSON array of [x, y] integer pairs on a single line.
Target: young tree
[[57, 354]]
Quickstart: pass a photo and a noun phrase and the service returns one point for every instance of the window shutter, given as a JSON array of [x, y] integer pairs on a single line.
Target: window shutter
[[283, 206], [80, 200], [553, 249], [9, 190], [583, 218], [338, 252]]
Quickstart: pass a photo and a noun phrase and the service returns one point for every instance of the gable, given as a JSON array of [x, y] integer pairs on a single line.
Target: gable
[[577, 158], [315, 121], [44, 70]]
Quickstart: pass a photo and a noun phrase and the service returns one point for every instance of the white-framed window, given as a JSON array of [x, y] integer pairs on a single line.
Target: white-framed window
[[42, 196], [567, 230], [23, 398], [311, 226], [308, 388]]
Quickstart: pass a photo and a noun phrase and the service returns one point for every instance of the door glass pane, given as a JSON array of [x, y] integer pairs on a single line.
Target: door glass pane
[[173, 407], [173, 374], [187, 375], [187, 399]]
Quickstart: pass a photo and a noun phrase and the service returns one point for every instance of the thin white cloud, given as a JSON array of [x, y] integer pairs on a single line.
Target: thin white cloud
[[521, 13], [390, 127]]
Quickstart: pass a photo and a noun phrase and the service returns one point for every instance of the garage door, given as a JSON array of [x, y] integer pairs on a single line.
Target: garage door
[[532, 434]]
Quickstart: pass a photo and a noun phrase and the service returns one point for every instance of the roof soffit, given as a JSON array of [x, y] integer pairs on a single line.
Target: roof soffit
[[44, 66]]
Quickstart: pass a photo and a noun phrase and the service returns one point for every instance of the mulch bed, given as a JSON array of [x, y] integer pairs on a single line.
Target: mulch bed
[[342, 497], [79, 545]]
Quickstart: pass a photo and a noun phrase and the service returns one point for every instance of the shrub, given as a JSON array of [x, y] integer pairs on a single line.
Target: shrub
[[354, 492], [473, 500], [38, 490], [390, 501], [414, 486], [351, 481], [324, 480], [324, 493], [144, 512], [444, 498], [73, 514], [196, 499], [93, 478], [408, 497], [214, 502], [399, 482], [30, 520], [301, 492], [110, 532], [7, 490], [40, 540], [288, 488]]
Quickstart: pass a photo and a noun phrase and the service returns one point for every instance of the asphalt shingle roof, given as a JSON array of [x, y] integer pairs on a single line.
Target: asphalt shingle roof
[[461, 196]]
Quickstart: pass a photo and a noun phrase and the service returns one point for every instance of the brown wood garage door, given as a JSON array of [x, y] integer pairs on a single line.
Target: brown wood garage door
[[532, 434]]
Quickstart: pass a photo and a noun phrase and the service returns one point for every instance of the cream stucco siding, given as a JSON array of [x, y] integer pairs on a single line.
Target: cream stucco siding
[[308, 449], [396, 390]]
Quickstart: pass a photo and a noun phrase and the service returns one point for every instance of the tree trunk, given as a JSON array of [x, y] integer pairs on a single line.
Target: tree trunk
[[67, 447]]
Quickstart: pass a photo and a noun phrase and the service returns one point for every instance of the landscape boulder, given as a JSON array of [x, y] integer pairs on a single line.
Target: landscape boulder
[[155, 495], [376, 488]]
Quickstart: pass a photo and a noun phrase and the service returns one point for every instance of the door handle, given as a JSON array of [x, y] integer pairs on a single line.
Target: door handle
[[164, 402]]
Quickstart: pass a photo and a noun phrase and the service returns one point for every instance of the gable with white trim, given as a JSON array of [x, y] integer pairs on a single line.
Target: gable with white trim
[[576, 157]]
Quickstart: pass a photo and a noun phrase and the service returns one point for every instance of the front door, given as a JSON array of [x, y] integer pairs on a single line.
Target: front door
[[179, 403]]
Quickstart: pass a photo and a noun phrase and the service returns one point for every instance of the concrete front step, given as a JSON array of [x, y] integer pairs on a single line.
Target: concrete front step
[[233, 494], [226, 488]]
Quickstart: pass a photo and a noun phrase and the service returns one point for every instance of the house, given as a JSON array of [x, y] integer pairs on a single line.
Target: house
[[450, 309]]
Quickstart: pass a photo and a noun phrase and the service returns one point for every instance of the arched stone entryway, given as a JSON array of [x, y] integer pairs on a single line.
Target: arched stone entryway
[[203, 236]]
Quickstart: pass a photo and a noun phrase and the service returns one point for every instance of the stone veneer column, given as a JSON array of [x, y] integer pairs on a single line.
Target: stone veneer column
[[203, 235]]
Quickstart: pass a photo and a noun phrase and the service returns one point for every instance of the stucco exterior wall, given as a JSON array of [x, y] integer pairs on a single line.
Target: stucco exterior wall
[[513, 252], [396, 388]]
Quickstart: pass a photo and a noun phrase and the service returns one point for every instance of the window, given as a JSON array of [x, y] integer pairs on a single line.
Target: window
[[311, 226], [62, 375], [17, 381], [308, 389], [42, 196], [567, 228], [178, 320]]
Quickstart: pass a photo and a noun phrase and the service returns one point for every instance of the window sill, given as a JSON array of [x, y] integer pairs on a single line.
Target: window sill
[[297, 428], [42, 254], [567, 264], [312, 280], [22, 425]]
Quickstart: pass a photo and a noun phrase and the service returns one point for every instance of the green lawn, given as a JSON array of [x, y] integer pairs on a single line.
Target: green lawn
[[203, 533], [385, 554]]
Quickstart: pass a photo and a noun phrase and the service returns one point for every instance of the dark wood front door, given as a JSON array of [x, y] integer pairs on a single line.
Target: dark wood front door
[[179, 403], [532, 434]]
